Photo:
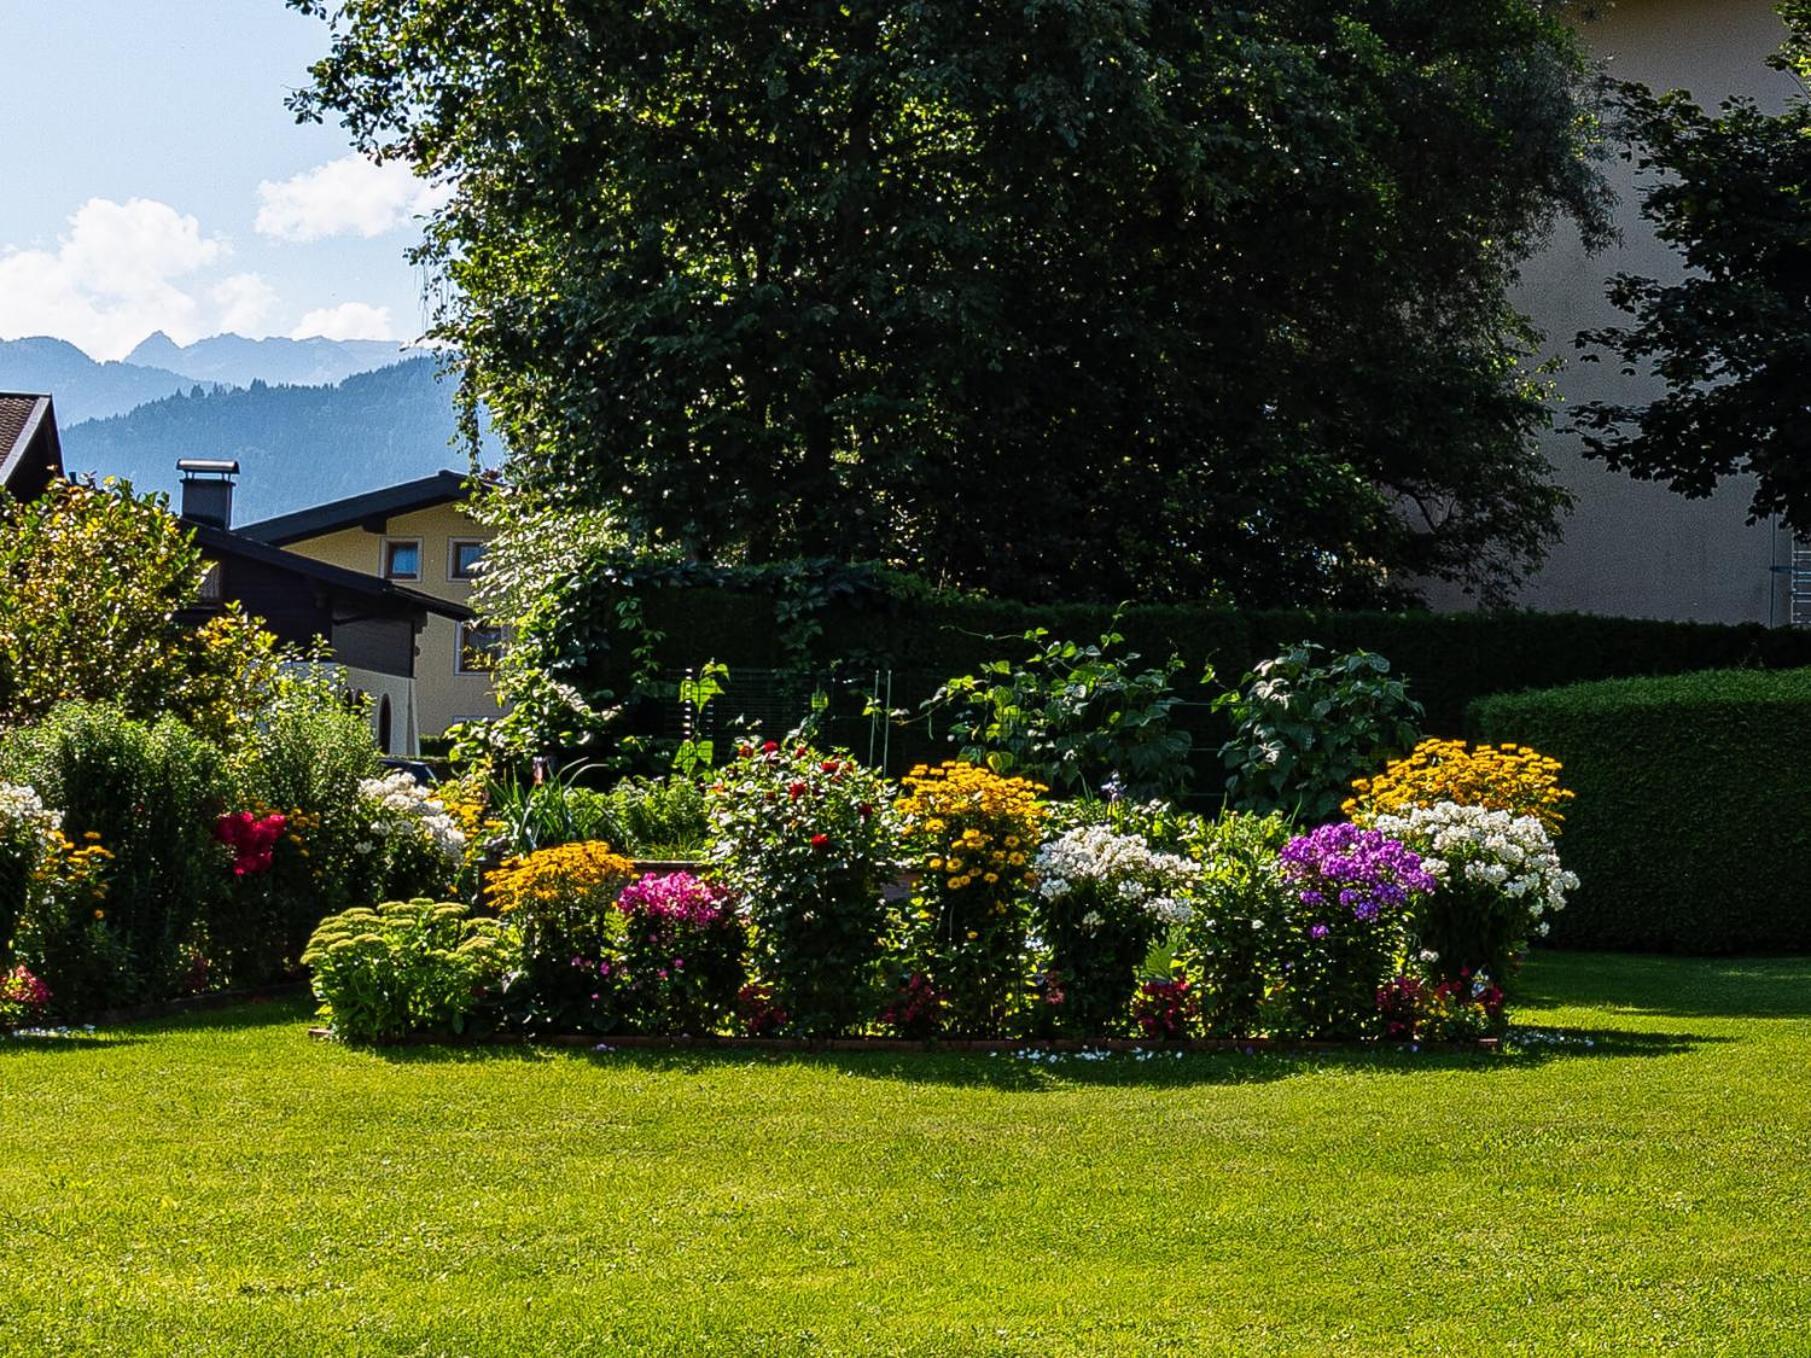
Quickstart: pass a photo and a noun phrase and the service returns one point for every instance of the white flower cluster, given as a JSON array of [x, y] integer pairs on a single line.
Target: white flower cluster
[[1092, 856], [1513, 853], [23, 813], [404, 806]]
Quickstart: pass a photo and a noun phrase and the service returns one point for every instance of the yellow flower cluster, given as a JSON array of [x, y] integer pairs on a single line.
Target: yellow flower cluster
[[1499, 777], [976, 828], [77, 875], [586, 873]]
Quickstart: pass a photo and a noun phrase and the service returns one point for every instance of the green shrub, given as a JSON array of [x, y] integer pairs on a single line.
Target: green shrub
[[808, 841], [1238, 936], [1307, 723], [149, 793], [304, 759], [656, 817], [1691, 831], [561, 903], [405, 967], [1076, 718]]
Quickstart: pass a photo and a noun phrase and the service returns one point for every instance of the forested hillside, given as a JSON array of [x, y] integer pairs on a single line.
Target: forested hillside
[[297, 446]]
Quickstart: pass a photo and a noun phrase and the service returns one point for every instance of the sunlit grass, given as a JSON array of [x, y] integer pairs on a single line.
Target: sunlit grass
[[224, 1185]]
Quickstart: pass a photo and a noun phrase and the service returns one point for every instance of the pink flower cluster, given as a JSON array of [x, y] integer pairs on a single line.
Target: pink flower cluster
[[23, 998], [252, 839], [675, 896]]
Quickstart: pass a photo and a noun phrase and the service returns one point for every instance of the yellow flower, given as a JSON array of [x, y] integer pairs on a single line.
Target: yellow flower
[[1510, 778], [990, 878], [956, 883]]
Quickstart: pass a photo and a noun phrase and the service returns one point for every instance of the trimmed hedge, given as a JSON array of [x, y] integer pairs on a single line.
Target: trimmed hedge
[[1449, 658], [1692, 827]]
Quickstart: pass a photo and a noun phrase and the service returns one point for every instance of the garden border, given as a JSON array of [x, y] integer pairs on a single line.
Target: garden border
[[645, 1042]]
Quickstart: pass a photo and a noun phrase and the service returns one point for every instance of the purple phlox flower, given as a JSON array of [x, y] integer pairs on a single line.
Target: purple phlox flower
[[1319, 931]]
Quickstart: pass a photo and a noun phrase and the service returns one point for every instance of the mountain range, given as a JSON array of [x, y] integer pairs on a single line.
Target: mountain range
[[308, 420], [296, 445], [234, 361]]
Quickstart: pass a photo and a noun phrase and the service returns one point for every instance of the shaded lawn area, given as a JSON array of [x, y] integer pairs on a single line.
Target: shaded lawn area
[[221, 1184]]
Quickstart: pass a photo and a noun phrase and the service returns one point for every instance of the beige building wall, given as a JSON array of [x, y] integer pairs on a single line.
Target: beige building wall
[[443, 693], [1635, 548]]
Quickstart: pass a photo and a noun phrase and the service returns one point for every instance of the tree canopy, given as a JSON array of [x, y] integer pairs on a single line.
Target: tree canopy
[[1089, 298], [1731, 341], [97, 585]]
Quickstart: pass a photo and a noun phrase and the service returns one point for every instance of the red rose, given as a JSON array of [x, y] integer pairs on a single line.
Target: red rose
[[820, 842], [830, 766], [770, 747]]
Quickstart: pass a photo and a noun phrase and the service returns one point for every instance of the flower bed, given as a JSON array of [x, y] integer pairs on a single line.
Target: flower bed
[[1023, 921]]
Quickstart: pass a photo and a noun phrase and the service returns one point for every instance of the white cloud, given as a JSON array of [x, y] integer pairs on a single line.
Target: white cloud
[[244, 301], [109, 282], [348, 320], [351, 196]]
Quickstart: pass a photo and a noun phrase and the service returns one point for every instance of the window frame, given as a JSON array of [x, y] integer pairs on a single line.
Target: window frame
[[383, 561], [459, 666], [452, 559]]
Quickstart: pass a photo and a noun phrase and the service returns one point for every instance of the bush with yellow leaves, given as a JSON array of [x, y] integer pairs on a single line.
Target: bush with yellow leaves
[[973, 834], [1509, 778]]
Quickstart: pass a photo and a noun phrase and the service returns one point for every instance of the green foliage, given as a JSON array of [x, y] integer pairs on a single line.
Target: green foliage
[[647, 817], [807, 841], [92, 582], [1239, 932], [656, 817], [405, 967], [1728, 336], [1073, 717], [1306, 726], [148, 793], [1690, 828], [304, 758], [698, 691], [1080, 299]]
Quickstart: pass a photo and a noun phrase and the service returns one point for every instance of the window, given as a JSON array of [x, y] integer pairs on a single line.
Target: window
[[211, 589], [463, 559], [402, 558], [477, 649]]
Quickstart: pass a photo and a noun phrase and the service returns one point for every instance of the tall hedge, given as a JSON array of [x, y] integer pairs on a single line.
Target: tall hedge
[[1692, 827], [1449, 658]]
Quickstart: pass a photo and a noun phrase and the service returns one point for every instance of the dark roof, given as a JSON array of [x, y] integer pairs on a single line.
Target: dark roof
[[382, 593], [31, 453], [370, 509]]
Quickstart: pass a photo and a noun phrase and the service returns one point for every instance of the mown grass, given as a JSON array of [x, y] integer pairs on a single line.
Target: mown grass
[[222, 1184]]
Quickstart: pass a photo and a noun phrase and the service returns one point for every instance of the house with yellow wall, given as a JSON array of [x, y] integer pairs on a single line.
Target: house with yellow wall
[[417, 535]]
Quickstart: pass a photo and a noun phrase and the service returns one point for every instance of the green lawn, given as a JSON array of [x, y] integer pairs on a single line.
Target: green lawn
[[224, 1185]]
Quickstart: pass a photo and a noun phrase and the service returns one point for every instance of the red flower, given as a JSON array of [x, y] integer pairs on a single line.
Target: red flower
[[830, 766], [820, 842], [770, 747], [796, 791], [865, 810]]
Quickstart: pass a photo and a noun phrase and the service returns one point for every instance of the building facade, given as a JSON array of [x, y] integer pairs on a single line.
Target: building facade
[[1635, 548], [416, 535]]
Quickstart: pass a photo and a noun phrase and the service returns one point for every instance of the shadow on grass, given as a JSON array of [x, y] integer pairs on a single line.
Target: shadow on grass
[[61, 1040], [1668, 987], [1027, 1073]]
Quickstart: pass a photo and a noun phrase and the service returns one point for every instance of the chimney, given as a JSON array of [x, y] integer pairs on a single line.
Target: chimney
[[207, 491]]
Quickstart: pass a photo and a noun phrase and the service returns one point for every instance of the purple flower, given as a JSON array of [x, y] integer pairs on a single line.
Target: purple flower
[[1319, 931], [1368, 872]]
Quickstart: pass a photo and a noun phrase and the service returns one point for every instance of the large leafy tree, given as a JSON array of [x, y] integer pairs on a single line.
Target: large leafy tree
[[97, 591], [1730, 342], [1086, 297]]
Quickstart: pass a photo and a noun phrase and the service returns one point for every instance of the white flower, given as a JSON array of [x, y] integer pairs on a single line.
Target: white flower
[[1092, 921], [404, 806], [1116, 866]]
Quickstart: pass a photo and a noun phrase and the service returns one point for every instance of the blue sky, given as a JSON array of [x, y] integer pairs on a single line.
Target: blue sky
[[150, 178]]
